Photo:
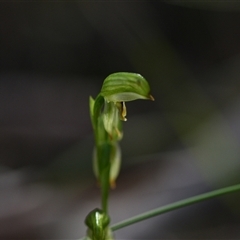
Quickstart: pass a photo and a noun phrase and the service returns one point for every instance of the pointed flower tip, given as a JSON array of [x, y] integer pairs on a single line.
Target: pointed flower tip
[[151, 97]]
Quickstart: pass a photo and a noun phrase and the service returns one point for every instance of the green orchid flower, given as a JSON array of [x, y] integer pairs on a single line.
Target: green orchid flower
[[107, 112], [117, 89]]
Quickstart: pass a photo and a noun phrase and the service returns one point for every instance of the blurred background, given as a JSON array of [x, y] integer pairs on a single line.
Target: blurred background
[[54, 55]]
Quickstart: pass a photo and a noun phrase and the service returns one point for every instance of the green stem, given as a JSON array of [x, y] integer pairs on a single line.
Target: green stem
[[104, 152], [176, 205]]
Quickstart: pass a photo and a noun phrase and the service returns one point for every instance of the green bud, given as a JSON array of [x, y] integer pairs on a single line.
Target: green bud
[[97, 222]]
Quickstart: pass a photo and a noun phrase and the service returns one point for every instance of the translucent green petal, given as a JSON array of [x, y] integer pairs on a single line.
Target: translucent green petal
[[111, 121], [124, 86], [115, 163]]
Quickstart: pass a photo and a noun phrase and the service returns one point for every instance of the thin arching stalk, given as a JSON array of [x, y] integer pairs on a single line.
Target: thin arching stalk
[[176, 205]]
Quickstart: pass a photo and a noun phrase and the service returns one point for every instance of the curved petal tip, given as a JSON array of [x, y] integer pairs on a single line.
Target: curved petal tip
[[151, 97]]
